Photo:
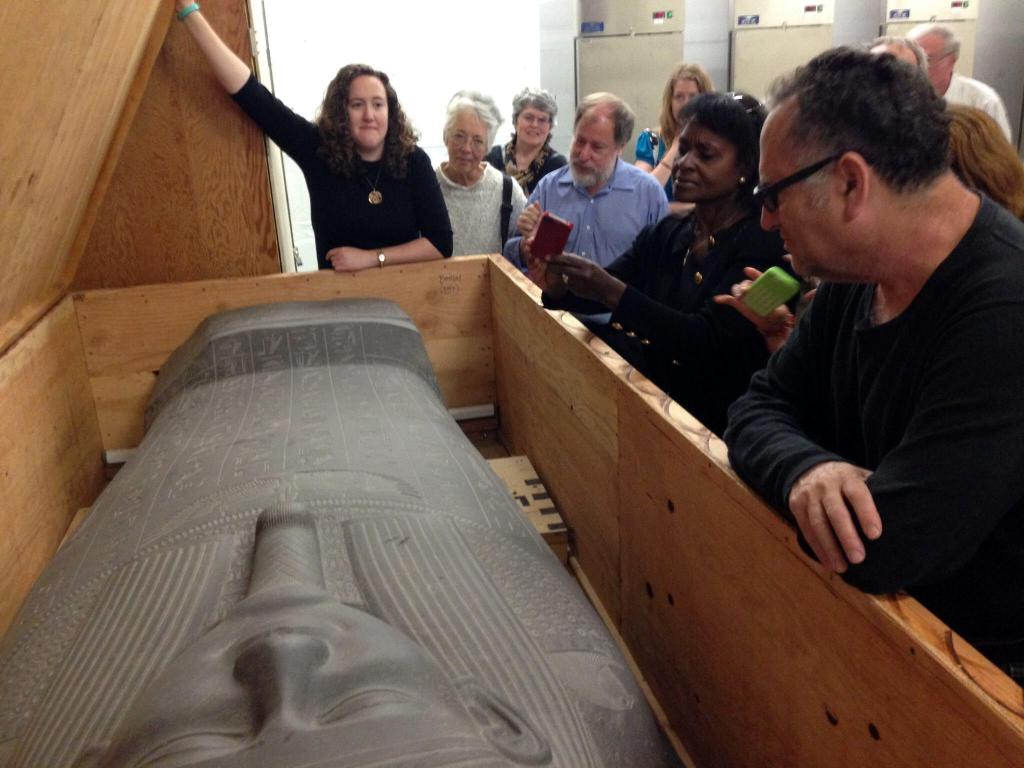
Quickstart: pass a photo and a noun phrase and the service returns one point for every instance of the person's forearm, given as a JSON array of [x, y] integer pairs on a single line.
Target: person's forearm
[[663, 170], [420, 249], [230, 71], [771, 454]]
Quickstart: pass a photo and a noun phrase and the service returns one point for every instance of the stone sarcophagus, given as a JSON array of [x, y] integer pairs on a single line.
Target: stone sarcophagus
[[121, 232], [307, 563]]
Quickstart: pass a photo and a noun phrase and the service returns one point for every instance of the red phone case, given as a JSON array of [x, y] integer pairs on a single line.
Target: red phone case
[[552, 235]]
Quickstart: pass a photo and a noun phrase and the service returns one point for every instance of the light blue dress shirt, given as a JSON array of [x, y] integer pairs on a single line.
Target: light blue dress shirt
[[605, 225]]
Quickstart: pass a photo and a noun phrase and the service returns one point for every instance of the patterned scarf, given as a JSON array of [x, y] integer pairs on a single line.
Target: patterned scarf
[[527, 177]]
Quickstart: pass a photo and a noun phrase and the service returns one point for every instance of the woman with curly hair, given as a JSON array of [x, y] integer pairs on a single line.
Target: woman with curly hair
[[374, 199]]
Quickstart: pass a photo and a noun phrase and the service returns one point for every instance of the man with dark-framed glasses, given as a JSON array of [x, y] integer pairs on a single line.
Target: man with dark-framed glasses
[[890, 427]]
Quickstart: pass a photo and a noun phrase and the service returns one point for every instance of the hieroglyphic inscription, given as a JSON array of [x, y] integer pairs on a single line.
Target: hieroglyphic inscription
[[314, 442]]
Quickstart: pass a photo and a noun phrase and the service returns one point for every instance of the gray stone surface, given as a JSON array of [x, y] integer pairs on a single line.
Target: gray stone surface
[[393, 609]]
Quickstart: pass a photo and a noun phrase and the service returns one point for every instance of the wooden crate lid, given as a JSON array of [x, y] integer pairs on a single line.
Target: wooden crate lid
[[71, 73]]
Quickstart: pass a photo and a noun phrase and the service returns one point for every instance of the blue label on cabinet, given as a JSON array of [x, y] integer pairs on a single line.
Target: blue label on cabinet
[[748, 21], [899, 13], [590, 27]]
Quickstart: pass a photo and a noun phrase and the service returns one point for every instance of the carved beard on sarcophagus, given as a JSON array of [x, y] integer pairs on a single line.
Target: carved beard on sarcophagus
[[307, 563]]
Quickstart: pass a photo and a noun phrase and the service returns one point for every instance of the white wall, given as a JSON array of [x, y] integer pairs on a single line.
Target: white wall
[[558, 23], [999, 56]]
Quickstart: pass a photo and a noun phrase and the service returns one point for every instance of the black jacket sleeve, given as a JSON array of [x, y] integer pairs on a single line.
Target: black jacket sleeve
[[773, 433]]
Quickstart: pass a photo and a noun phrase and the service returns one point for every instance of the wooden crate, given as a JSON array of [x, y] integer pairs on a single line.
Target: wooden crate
[[534, 501]]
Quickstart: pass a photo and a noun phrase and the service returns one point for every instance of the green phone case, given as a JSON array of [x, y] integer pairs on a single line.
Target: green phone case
[[776, 286]]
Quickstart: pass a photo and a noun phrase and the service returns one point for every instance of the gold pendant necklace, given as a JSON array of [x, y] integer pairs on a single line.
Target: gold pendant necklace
[[375, 197]]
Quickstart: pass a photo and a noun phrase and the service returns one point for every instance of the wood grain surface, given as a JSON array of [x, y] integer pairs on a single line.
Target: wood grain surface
[[757, 655], [69, 76], [190, 197], [50, 452], [557, 404], [128, 333]]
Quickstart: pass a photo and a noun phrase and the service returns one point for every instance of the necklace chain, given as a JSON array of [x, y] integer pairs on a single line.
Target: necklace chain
[[375, 197], [703, 242]]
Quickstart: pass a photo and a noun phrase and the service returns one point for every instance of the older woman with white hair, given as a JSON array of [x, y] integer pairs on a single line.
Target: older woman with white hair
[[483, 203], [529, 157]]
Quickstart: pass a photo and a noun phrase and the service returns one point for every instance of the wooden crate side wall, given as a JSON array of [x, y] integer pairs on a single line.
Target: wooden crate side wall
[[758, 656], [557, 405], [128, 333], [190, 197], [763, 659], [50, 450]]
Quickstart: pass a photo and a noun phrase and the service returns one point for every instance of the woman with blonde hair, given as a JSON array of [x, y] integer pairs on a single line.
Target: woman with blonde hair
[[982, 157], [656, 150]]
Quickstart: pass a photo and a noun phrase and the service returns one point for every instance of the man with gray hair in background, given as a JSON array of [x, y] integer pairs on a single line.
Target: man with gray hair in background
[[902, 48], [607, 200], [943, 49], [890, 426]]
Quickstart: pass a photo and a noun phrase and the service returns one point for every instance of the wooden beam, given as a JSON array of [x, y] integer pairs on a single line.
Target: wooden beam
[[68, 76], [50, 450], [151, 46]]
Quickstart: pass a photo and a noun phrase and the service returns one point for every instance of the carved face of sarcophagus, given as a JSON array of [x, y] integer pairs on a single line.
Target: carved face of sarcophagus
[[307, 563]]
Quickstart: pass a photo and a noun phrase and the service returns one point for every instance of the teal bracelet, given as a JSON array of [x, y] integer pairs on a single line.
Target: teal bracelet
[[187, 10]]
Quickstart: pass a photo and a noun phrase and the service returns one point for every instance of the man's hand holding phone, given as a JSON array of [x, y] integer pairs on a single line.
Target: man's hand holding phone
[[550, 236], [548, 239], [528, 219]]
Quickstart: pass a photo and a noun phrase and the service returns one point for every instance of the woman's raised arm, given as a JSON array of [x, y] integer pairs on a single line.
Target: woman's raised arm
[[231, 71]]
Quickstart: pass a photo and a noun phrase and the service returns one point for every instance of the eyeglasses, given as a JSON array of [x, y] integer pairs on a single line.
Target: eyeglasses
[[768, 195], [475, 142], [936, 59], [535, 119]]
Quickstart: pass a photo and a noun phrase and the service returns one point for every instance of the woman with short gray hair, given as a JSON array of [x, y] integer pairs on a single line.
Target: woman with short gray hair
[[483, 203], [529, 157]]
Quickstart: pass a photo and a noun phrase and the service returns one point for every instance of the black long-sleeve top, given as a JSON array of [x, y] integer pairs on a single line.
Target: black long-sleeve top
[[341, 214], [666, 325], [932, 402]]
